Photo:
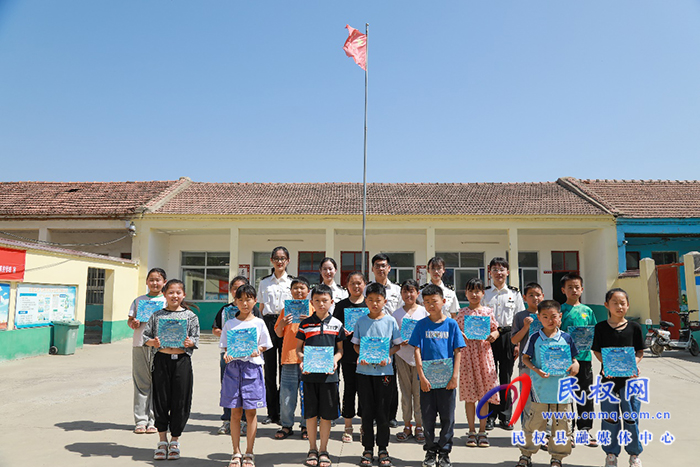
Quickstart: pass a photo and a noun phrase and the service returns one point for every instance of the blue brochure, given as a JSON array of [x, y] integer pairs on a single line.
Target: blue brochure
[[582, 336], [145, 308], [228, 313], [296, 308], [536, 324], [374, 349], [556, 359], [241, 342], [172, 332], [318, 359], [619, 361], [407, 327], [438, 372], [477, 328], [352, 315]]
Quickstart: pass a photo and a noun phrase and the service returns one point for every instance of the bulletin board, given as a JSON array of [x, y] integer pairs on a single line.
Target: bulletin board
[[41, 305]]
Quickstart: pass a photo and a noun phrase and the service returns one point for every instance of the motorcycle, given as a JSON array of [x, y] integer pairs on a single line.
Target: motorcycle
[[658, 340]]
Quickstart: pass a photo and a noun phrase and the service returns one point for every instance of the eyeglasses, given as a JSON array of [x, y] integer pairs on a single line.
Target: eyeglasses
[[279, 259], [499, 270]]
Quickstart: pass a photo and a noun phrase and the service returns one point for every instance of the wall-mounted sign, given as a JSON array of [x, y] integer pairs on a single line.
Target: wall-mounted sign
[[244, 270], [12, 264], [40, 305], [4, 305]]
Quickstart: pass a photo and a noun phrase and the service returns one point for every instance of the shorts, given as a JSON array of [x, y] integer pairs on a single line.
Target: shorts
[[243, 386], [321, 400]]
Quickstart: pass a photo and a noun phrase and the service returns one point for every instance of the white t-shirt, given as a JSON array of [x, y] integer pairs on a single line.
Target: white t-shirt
[[263, 336], [157, 303], [406, 352]]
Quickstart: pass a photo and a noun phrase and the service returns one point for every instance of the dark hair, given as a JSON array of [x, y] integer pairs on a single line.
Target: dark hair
[[376, 287], [474, 284], [320, 266], [410, 284], [172, 282], [549, 305], [300, 280], [530, 286], [432, 289], [380, 257], [499, 261], [238, 279], [571, 276], [437, 261], [246, 290], [321, 289], [282, 249], [158, 271], [609, 294], [353, 274]]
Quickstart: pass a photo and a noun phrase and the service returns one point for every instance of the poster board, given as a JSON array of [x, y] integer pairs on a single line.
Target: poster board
[[4, 305], [41, 305]]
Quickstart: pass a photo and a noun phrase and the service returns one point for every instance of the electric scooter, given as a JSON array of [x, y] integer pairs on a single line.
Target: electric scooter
[[658, 340]]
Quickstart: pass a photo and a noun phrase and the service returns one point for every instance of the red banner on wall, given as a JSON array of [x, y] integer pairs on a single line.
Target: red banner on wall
[[12, 264]]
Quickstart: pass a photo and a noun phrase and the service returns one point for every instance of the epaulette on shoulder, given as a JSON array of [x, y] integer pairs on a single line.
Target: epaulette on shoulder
[[266, 277], [514, 289], [424, 286], [487, 287], [451, 287]]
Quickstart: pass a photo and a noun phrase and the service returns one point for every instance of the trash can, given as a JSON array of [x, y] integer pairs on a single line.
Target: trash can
[[65, 337]]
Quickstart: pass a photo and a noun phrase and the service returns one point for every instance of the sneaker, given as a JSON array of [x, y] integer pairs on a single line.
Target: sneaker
[[244, 427], [445, 460], [225, 428], [504, 425], [635, 461], [430, 459], [592, 441], [611, 460], [490, 422], [393, 423]]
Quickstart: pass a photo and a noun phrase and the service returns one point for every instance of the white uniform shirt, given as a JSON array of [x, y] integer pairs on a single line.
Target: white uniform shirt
[[339, 293], [273, 292], [451, 306], [505, 303], [393, 297]]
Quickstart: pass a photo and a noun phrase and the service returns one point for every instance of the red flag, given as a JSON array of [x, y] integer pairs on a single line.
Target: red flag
[[356, 47]]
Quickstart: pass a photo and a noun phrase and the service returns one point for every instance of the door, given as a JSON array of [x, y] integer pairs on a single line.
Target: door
[[563, 263], [94, 306], [668, 276], [351, 261]]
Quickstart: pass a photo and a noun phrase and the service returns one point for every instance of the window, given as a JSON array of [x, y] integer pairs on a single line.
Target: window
[[402, 267], [261, 267], [527, 267], [351, 261], [206, 275], [95, 286], [309, 264], [633, 259], [664, 257], [459, 268], [563, 262]]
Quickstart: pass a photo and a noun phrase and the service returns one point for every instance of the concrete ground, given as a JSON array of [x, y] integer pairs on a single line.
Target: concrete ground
[[76, 411]]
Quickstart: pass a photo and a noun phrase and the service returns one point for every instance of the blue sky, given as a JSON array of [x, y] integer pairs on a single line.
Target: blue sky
[[460, 91]]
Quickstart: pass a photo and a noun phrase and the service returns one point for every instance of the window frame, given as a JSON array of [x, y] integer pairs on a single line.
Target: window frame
[[481, 271], [222, 297], [398, 269]]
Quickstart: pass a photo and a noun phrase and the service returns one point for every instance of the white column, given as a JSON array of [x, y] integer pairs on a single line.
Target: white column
[[429, 243], [513, 256], [330, 244], [44, 234], [234, 237]]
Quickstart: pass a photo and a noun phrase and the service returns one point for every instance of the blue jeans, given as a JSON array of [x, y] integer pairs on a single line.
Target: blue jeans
[[289, 386], [630, 421]]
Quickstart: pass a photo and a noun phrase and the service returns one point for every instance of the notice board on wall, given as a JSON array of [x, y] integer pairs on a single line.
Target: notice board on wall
[[41, 305]]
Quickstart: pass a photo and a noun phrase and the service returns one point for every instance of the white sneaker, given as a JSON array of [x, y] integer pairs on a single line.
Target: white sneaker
[[225, 428], [611, 460], [635, 461]]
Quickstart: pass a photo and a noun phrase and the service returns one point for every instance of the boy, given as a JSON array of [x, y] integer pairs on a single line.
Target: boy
[[374, 381], [574, 313], [291, 372], [545, 389], [437, 337], [505, 301], [321, 397]]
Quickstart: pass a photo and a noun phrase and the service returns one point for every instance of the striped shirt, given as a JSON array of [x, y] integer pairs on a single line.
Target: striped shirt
[[151, 329], [326, 333]]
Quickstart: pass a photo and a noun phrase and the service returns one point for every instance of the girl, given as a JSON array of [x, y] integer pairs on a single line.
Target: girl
[[436, 269], [356, 287], [328, 268], [142, 357], [477, 371], [406, 363], [172, 371], [616, 331], [243, 387]]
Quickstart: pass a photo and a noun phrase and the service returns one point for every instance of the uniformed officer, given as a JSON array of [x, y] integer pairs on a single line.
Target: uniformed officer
[[436, 269]]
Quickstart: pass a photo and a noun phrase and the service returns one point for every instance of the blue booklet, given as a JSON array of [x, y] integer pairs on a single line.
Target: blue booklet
[[536, 324], [619, 361], [228, 313], [241, 342], [374, 349], [477, 328], [582, 336], [296, 308], [318, 359], [438, 372], [407, 327], [172, 332], [556, 359], [145, 308], [352, 315]]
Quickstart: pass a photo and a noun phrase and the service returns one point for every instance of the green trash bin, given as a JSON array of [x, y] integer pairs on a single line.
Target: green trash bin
[[65, 336]]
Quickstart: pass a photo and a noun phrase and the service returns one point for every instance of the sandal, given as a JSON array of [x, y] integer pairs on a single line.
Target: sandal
[[420, 437], [347, 435], [304, 433], [524, 461], [151, 429], [405, 434], [173, 451], [140, 429], [249, 459], [284, 433], [384, 459], [555, 463], [483, 440], [311, 456], [324, 459], [160, 453], [471, 440], [235, 460], [366, 459]]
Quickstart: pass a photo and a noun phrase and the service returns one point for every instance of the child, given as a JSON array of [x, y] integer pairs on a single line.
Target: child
[[236, 282], [320, 390], [437, 337], [291, 372], [243, 387], [374, 380], [172, 371], [616, 331], [436, 269], [574, 313], [477, 372], [545, 389], [142, 357], [356, 286], [406, 363]]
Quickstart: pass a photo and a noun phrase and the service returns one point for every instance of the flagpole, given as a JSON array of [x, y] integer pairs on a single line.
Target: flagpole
[[364, 171]]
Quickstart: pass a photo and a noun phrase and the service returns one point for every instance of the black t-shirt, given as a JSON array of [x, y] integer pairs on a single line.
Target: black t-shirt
[[629, 336], [217, 319], [349, 354]]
